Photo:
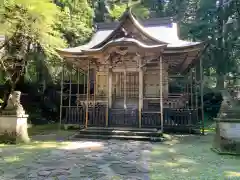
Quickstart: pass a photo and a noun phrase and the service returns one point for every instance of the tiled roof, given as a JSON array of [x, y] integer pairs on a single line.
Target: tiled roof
[[162, 30]]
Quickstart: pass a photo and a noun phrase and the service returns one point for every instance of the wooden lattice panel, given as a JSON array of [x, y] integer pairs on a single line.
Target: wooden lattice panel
[[101, 83], [118, 84], [151, 83], [132, 84]]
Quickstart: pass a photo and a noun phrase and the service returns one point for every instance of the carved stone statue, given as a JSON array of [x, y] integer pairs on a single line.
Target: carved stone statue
[[13, 120], [14, 103]]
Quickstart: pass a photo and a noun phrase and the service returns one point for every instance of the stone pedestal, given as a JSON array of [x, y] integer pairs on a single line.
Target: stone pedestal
[[13, 121], [227, 137], [13, 129]]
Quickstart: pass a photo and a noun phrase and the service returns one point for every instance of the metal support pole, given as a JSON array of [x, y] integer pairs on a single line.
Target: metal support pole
[[202, 106], [61, 98], [161, 91], [88, 89]]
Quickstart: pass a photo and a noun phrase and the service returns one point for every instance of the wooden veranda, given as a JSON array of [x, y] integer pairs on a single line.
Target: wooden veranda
[[127, 76]]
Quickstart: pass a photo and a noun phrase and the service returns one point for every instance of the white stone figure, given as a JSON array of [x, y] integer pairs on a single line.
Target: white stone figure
[[14, 119]]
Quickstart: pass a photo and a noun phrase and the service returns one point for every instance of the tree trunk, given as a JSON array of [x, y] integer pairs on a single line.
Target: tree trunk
[[237, 83], [7, 91], [10, 86], [220, 82]]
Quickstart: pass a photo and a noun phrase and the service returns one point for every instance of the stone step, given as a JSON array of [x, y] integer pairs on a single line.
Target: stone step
[[118, 137], [124, 129], [121, 132]]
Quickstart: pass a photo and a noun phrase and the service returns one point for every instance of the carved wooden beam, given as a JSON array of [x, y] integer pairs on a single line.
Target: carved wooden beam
[[121, 50]]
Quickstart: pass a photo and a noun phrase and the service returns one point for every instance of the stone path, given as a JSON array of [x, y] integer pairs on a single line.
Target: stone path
[[186, 158]]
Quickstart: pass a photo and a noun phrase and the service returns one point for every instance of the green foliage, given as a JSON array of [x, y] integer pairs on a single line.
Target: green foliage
[[34, 21], [204, 21], [76, 21], [43, 24], [117, 11], [101, 10], [29, 27], [138, 9], [141, 11], [112, 10], [7, 138]]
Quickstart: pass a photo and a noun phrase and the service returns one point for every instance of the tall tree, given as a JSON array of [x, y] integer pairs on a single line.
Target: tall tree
[[76, 21], [111, 10], [28, 26], [210, 21]]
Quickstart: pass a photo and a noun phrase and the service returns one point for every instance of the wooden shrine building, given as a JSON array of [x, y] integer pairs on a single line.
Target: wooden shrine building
[[133, 74]]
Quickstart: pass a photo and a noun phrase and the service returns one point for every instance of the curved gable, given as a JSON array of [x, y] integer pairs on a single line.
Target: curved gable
[[129, 27]]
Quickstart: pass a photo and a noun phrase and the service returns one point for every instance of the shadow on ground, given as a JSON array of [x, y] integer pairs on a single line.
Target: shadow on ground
[[190, 157], [184, 157]]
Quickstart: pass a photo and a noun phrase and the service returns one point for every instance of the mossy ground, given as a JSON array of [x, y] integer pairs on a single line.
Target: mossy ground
[[190, 157]]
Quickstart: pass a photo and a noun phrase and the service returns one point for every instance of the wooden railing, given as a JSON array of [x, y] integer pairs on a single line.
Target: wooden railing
[[173, 118], [176, 101]]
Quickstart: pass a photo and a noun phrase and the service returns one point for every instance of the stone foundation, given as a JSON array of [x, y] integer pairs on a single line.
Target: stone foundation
[[13, 129], [227, 138]]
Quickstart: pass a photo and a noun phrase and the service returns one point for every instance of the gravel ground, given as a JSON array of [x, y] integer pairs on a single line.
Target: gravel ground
[[185, 157]]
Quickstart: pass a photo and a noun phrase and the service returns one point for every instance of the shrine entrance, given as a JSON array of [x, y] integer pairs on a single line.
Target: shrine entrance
[[134, 66], [125, 99]]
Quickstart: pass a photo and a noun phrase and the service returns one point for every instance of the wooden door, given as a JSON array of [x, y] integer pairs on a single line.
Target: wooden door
[[125, 99]]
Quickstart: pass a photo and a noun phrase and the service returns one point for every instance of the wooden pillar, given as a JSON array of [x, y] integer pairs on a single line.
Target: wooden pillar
[[161, 90], [110, 87], [165, 81], [78, 77], [120, 84], [196, 88], [109, 94], [117, 83], [125, 89], [61, 98], [191, 87], [196, 80], [201, 90], [140, 105], [70, 90], [187, 89], [88, 93], [84, 84], [94, 87]]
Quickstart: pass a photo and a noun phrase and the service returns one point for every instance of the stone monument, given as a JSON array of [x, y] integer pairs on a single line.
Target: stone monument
[[13, 121], [227, 137]]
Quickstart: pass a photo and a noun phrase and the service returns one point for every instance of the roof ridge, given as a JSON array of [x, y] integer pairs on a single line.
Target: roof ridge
[[107, 25], [148, 22]]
